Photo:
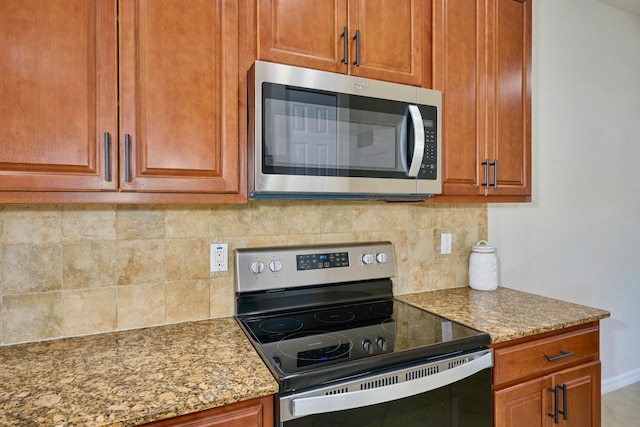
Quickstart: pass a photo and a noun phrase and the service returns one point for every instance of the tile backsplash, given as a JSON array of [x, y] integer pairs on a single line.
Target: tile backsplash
[[69, 270]]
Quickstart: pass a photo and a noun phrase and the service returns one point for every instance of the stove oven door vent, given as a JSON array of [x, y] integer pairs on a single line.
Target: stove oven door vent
[[386, 387]]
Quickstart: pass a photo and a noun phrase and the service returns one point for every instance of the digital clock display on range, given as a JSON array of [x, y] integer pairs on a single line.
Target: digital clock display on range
[[317, 261]]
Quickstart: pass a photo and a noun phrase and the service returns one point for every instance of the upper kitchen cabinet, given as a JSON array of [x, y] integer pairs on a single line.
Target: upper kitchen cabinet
[[58, 95], [129, 101], [379, 39], [178, 96], [482, 64]]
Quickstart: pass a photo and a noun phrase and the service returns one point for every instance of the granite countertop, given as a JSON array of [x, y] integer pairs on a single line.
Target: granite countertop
[[131, 377], [506, 314]]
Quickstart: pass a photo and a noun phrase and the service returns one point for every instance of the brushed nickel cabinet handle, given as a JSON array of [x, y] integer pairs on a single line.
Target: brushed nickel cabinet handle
[[127, 157], [486, 165], [107, 156], [345, 45], [357, 39]]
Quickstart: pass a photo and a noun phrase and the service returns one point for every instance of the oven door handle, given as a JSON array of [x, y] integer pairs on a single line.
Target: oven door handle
[[338, 402]]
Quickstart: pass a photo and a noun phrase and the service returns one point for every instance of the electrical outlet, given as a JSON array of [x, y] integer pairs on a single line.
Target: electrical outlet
[[445, 243], [219, 257]]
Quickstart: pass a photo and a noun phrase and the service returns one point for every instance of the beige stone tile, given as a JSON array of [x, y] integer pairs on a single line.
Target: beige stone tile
[[31, 230], [443, 216], [420, 245], [418, 277], [88, 222], [183, 222], [420, 215], [141, 305], [222, 293], [31, 268], [483, 216], [142, 222], [231, 220], [187, 300], [32, 317], [483, 233], [89, 264], [286, 217], [31, 211], [380, 216], [186, 259], [89, 311], [462, 240], [337, 216], [140, 261], [462, 270], [466, 215]]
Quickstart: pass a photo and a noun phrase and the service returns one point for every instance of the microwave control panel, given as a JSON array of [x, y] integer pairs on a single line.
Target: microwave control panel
[[429, 167]]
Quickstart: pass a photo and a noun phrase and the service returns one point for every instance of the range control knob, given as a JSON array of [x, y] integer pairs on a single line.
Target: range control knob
[[381, 257], [256, 267], [275, 265], [367, 346], [367, 259], [381, 343]]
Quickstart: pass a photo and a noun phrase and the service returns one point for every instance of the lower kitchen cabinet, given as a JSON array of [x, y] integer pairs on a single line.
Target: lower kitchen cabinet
[[250, 413], [550, 379]]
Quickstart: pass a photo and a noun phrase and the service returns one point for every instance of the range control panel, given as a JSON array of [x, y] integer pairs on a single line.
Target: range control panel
[[263, 269], [324, 260]]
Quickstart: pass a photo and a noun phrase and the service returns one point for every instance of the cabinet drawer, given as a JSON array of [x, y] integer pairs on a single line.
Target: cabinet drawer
[[545, 355]]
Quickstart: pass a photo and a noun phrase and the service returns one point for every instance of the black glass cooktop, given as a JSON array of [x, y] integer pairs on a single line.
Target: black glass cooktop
[[318, 343]]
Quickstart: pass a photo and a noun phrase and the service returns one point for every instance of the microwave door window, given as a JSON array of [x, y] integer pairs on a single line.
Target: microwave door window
[[307, 132], [371, 142], [300, 133]]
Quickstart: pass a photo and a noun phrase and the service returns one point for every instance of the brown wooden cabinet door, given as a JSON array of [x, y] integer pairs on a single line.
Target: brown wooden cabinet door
[[311, 33], [482, 63], [178, 96], [250, 413], [524, 405], [306, 33], [391, 36], [458, 63], [582, 395], [509, 112], [58, 94]]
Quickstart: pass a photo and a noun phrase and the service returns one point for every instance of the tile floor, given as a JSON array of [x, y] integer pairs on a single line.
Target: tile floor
[[621, 408]]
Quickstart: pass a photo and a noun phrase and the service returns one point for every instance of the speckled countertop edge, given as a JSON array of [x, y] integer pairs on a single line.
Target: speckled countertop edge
[[505, 314], [131, 377]]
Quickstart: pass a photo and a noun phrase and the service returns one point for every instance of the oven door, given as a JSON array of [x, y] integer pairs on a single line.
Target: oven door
[[447, 393]]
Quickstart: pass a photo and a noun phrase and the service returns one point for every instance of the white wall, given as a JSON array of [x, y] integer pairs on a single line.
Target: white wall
[[579, 240]]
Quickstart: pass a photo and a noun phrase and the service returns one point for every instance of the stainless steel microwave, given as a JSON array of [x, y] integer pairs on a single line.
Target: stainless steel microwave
[[315, 134]]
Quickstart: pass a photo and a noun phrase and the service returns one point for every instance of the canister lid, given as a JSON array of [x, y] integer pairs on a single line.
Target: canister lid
[[483, 247]]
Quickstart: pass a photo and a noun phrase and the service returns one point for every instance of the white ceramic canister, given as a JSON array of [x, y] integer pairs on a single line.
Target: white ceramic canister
[[483, 267]]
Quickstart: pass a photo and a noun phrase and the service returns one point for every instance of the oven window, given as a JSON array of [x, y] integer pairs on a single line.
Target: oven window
[[462, 404], [307, 132]]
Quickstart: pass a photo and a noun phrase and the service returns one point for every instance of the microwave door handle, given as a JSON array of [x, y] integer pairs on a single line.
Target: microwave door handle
[[418, 143]]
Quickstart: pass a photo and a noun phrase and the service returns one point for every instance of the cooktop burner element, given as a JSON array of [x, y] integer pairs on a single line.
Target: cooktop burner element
[[281, 325], [314, 323], [334, 316]]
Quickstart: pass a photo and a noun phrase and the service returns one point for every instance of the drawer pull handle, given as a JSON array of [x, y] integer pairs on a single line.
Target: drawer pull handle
[[562, 355]]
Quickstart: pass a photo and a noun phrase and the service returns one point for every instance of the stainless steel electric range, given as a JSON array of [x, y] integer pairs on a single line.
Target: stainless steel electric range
[[346, 353]]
